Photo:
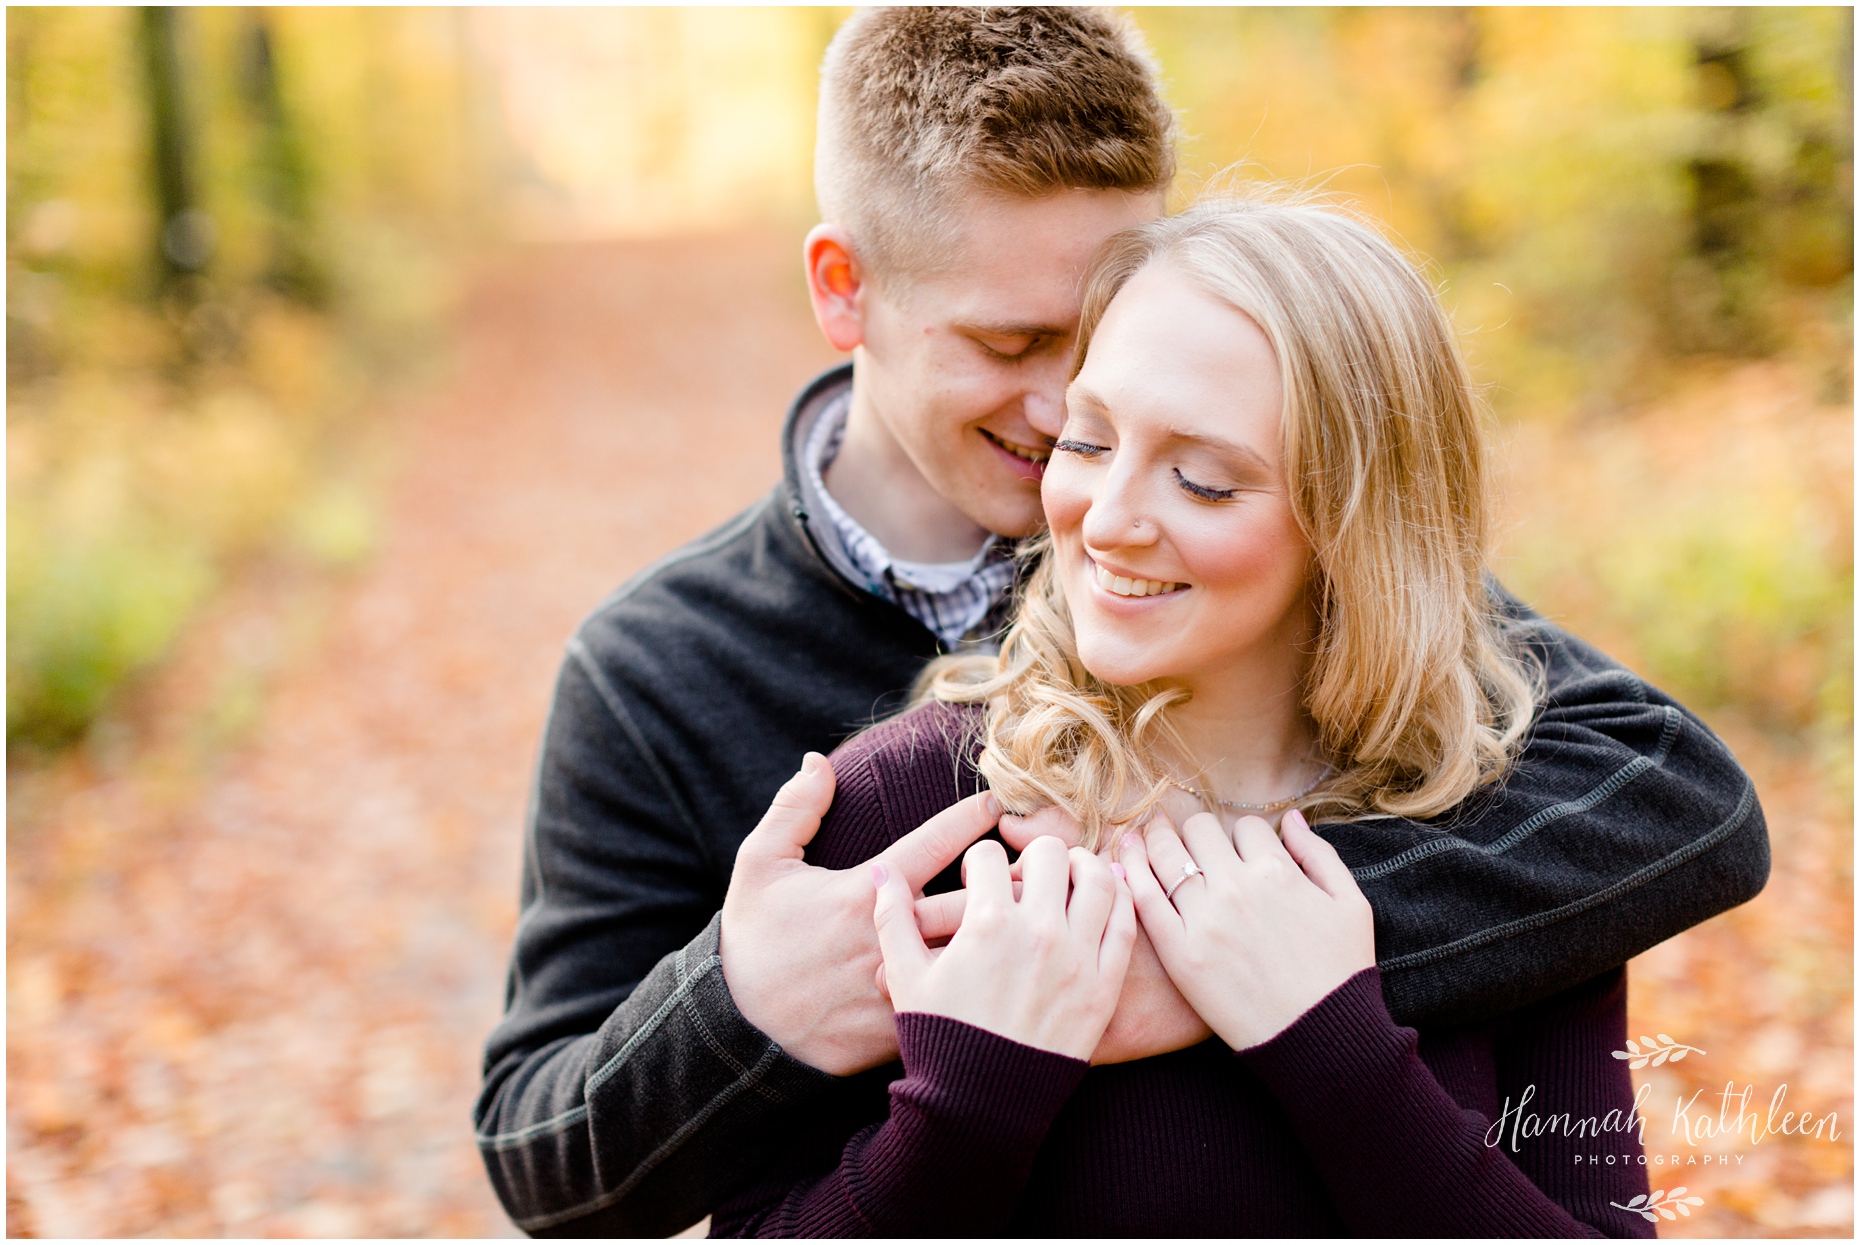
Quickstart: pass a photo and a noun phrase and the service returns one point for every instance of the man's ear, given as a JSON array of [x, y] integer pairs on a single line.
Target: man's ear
[[835, 283]]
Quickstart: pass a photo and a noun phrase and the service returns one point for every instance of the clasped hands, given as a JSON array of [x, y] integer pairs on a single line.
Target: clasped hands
[[1085, 955]]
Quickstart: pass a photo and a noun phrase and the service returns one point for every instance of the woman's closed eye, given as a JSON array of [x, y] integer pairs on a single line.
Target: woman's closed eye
[[1085, 449], [1203, 491]]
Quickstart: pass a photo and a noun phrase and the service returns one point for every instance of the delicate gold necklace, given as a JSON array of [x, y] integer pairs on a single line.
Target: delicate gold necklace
[[1268, 807]]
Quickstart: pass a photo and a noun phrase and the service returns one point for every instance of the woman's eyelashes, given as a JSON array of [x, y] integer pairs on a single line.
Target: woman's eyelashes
[[1085, 449], [1201, 490]]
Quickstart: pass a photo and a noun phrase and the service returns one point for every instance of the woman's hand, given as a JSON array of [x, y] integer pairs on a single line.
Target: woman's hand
[[1152, 1017], [1044, 970], [1261, 934]]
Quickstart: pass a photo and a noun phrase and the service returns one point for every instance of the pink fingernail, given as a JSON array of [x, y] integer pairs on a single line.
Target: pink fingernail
[[810, 764], [993, 803], [1117, 871], [1298, 819], [880, 875], [1130, 840]]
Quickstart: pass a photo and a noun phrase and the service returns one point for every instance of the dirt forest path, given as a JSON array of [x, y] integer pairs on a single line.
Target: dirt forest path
[[249, 982]]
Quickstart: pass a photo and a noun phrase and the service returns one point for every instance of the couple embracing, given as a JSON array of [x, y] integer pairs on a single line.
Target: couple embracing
[[1209, 845]]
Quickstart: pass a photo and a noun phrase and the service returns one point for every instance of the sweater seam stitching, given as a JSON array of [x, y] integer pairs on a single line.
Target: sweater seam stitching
[[501, 1143], [647, 1164], [1698, 847], [771, 1050], [653, 1024], [1608, 787]]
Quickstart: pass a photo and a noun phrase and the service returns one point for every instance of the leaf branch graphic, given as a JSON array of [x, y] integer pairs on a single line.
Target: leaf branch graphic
[[1660, 1204], [1639, 1054]]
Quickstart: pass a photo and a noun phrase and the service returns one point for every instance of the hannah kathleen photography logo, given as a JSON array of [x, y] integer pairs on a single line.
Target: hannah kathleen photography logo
[[1730, 1114]]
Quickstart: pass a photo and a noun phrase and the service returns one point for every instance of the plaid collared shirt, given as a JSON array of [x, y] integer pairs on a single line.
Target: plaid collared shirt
[[962, 603]]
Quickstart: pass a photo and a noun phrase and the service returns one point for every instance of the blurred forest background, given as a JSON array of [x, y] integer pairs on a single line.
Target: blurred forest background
[[345, 352]]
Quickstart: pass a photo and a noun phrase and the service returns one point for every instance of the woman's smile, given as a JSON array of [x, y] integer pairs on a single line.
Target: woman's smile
[[1127, 587]]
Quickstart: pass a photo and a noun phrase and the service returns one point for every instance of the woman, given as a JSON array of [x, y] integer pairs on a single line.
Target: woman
[[1262, 601]]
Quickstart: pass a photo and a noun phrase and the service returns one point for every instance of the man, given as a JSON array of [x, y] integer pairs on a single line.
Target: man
[[666, 1011]]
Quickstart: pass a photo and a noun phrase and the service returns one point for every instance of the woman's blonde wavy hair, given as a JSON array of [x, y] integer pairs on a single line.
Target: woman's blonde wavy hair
[[1417, 694]]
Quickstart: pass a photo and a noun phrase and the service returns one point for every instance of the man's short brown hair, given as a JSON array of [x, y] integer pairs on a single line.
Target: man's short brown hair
[[918, 105]]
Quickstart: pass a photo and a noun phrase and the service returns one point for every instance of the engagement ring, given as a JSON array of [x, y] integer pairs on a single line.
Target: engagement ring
[[1189, 869]]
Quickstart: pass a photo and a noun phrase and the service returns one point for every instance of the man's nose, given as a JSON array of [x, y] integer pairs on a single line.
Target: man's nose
[[1044, 402], [1046, 417]]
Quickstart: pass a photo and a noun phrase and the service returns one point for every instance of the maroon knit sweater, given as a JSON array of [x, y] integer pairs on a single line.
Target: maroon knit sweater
[[1344, 1124]]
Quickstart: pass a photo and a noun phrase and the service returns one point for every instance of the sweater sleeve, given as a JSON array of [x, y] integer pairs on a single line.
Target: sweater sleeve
[[1623, 822], [1401, 1158], [624, 1093], [952, 1157]]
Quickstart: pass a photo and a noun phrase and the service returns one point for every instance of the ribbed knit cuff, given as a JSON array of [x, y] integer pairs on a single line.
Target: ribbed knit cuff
[[1326, 1057], [983, 1089]]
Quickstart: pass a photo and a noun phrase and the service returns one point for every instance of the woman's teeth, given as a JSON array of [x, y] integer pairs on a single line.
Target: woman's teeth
[[1132, 587]]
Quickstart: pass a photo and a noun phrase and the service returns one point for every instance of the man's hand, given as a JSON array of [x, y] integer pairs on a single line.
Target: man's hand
[[800, 952], [1152, 1017]]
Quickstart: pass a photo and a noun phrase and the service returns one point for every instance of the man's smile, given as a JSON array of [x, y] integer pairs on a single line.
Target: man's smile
[[1032, 459]]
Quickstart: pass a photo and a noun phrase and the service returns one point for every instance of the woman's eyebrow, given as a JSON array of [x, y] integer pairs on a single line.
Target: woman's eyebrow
[[1222, 445]]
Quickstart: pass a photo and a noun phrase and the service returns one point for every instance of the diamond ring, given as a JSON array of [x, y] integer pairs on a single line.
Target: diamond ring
[[1189, 869]]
